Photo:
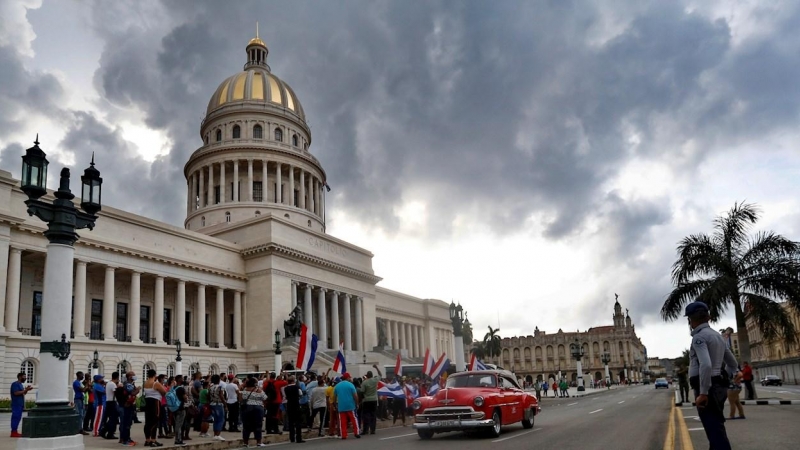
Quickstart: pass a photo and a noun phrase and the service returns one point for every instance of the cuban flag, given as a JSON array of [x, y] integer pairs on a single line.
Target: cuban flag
[[338, 365], [411, 393], [428, 363], [398, 367], [440, 367], [434, 387], [393, 390], [308, 349], [476, 364]]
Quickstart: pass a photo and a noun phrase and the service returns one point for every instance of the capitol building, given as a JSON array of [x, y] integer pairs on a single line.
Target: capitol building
[[254, 246]]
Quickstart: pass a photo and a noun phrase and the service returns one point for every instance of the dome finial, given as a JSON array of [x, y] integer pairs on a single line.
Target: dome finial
[[256, 29]]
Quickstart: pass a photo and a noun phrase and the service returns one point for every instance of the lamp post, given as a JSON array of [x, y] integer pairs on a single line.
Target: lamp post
[[606, 358], [625, 369], [54, 418], [95, 365], [178, 359], [577, 353], [278, 351], [457, 319], [364, 358]]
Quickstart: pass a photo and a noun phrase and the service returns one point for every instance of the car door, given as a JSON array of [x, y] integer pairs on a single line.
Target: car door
[[513, 397]]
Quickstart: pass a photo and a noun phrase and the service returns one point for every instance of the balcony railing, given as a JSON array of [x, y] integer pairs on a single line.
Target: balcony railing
[[194, 343], [214, 344], [124, 339], [97, 337]]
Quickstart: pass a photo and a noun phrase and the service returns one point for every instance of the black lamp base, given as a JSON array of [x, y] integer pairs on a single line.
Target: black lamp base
[[51, 420]]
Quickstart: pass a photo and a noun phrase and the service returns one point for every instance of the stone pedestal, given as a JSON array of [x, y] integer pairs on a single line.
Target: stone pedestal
[[74, 442]]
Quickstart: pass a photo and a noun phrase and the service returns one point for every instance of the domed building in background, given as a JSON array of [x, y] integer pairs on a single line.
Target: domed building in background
[[253, 248]]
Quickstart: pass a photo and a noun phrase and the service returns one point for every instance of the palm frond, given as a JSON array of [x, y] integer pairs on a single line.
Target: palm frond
[[698, 256], [733, 227], [682, 294], [770, 317], [766, 247]]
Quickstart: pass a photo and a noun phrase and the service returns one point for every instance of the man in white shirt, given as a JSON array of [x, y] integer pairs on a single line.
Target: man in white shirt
[[232, 390], [111, 413]]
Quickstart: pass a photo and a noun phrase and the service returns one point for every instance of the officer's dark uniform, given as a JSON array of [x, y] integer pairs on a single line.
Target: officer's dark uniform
[[706, 355]]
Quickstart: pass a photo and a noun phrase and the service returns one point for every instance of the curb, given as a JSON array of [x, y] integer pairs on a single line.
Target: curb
[[753, 402]]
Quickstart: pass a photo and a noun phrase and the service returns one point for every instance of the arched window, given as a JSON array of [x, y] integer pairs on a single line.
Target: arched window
[[194, 368], [171, 370], [257, 132], [219, 135], [237, 132], [227, 216], [145, 368], [213, 369], [305, 146], [278, 135], [28, 367], [231, 370], [122, 368], [203, 221], [294, 140], [99, 367], [205, 140]]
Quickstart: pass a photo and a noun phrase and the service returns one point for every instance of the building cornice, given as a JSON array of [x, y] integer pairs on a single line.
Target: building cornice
[[277, 249], [322, 284]]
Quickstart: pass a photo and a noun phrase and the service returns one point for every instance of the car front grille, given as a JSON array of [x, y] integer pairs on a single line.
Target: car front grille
[[450, 413]]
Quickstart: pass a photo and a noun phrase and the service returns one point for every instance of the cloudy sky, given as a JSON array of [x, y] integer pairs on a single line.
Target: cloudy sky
[[528, 159]]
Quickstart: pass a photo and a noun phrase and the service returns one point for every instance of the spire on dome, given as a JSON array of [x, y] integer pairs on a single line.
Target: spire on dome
[[257, 52]]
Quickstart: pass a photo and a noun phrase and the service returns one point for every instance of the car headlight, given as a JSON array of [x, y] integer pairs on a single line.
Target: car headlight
[[479, 401], [416, 405]]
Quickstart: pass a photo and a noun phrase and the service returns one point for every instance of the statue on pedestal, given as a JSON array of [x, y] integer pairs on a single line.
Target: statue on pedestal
[[291, 327], [383, 339]]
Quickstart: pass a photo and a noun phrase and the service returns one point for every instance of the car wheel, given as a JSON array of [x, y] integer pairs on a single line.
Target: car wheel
[[527, 419], [425, 434], [494, 431]]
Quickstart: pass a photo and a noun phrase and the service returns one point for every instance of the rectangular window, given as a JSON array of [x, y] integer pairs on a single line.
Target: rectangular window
[[258, 192], [296, 198], [122, 321], [188, 329], [167, 330], [144, 323], [216, 195], [96, 322], [36, 314]]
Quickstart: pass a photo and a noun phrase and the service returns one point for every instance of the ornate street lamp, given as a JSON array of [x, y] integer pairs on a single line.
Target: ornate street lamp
[[178, 359], [364, 358], [95, 365], [53, 417], [457, 320], [577, 354], [278, 351], [606, 358]]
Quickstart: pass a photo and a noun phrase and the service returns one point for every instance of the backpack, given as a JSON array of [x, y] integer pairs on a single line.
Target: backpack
[[269, 389], [173, 404], [121, 395]]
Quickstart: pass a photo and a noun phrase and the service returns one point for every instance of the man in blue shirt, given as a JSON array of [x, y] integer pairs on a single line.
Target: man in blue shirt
[[80, 407], [18, 391], [346, 398], [99, 388]]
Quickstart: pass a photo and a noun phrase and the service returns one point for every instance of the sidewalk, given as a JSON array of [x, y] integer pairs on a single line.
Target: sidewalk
[[765, 397], [573, 392], [234, 440]]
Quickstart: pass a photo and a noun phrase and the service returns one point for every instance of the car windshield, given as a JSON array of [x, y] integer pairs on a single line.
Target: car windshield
[[473, 380], [772, 377], [661, 380]]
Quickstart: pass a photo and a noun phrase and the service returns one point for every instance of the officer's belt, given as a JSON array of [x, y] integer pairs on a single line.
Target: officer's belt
[[716, 381]]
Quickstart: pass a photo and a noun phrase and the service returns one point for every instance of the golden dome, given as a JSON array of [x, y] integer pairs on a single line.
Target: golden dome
[[256, 85], [256, 41]]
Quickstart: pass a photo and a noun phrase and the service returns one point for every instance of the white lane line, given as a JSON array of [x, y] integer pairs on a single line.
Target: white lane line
[[696, 429], [516, 435], [573, 404], [596, 411], [395, 437], [594, 398], [619, 403]]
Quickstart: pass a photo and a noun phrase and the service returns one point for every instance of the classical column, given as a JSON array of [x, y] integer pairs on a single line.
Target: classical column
[[250, 179], [348, 329], [108, 305], [193, 193], [322, 201], [136, 302], [278, 190], [221, 185], [244, 314], [401, 335], [359, 324], [235, 180], [311, 193], [322, 318], [201, 190], [189, 194], [335, 335], [302, 189], [393, 334], [420, 340], [200, 315], [294, 294], [158, 311], [79, 301], [211, 184], [412, 332], [291, 185], [264, 181], [237, 319], [180, 313], [219, 318], [308, 317]]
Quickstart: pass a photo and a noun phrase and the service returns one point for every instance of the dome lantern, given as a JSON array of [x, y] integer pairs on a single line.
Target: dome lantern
[[257, 52]]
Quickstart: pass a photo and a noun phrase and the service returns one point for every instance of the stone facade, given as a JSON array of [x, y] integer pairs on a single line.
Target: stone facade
[[224, 284], [777, 356], [544, 356]]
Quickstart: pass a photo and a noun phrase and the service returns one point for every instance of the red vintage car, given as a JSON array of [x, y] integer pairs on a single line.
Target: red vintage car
[[482, 400]]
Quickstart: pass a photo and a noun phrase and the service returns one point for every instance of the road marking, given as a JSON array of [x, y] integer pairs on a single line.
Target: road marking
[[517, 435], [594, 398], [686, 441], [395, 437], [573, 404], [669, 440], [619, 403], [695, 429], [596, 411]]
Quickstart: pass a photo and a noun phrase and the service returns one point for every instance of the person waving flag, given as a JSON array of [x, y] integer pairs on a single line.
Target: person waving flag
[[398, 367], [339, 365], [308, 349]]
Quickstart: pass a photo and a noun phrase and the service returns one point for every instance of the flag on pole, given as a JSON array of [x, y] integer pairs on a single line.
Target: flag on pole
[[427, 364], [308, 349], [398, 367], [476, 364], [339, 365], [441, 366], [434, 387]]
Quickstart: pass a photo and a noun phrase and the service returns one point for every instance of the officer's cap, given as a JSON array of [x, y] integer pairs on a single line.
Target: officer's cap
[[695, 307]]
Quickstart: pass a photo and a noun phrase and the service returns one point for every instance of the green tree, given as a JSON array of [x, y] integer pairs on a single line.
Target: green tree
[[753, 274], [492, 343], [478, 349]]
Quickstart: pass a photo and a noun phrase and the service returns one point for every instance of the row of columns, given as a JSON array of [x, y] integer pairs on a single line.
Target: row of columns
[[9, 314], [319, 324], [311, 196], [405, 336]]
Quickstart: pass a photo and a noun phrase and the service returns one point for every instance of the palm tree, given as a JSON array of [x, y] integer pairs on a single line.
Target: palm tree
[[754, 274], [492, 343], [478, 349]]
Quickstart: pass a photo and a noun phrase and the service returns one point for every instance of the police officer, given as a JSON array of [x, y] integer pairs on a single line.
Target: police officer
[[706, 355]]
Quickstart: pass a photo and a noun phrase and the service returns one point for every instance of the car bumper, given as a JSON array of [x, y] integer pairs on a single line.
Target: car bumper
[[454, 425]]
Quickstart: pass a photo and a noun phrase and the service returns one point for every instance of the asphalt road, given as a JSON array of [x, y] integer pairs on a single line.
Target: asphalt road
[[633, 418]]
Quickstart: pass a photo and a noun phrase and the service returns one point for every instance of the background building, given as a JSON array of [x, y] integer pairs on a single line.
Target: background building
[[253, 248], [779, 356]]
